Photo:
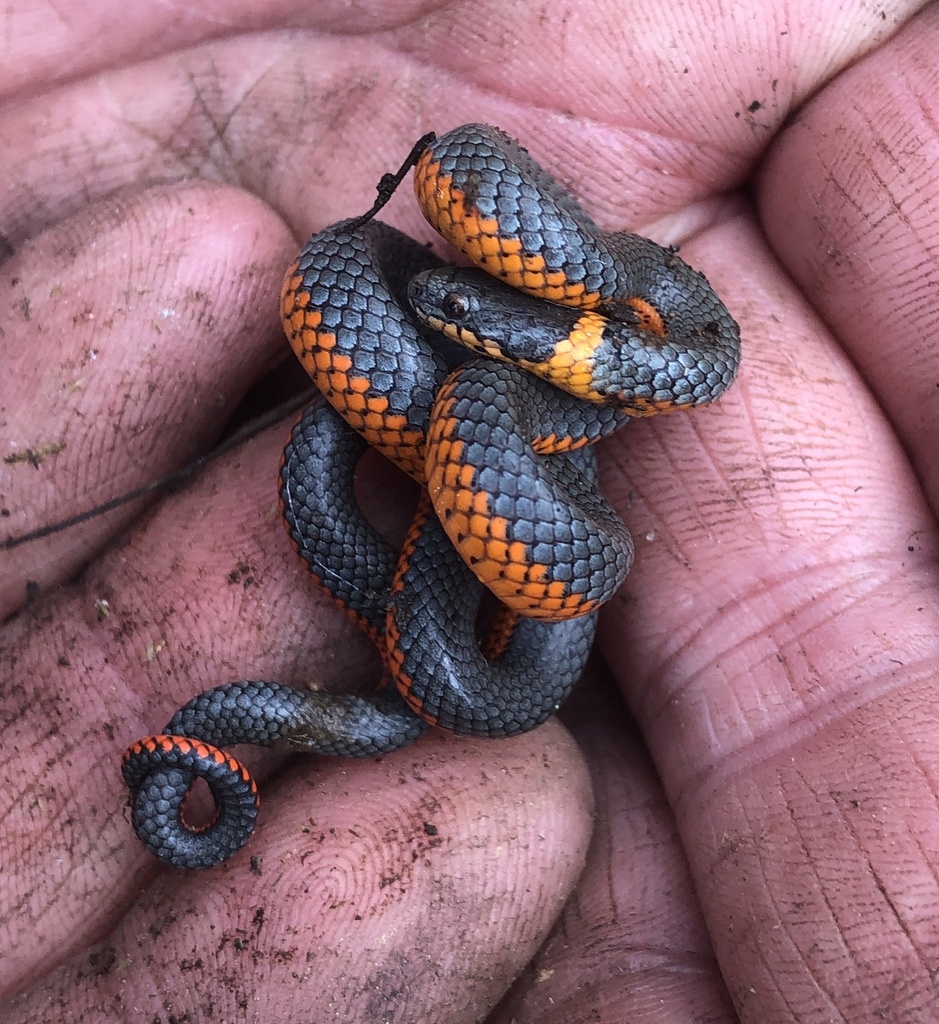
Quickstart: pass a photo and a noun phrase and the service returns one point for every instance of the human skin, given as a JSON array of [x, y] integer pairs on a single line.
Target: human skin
[[761, 727]]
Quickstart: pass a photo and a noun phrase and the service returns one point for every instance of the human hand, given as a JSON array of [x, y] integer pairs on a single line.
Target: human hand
[[774, 642]]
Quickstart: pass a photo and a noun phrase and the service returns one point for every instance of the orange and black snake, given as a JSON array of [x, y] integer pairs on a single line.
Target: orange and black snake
[[574, 331]]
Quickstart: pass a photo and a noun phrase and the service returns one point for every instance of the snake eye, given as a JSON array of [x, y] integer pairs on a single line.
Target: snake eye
[[455, 306]]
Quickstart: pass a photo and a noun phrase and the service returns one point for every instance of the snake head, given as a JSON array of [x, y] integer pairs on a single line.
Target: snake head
[[478, 311]]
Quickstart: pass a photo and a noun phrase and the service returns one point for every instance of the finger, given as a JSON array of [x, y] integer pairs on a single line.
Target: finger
[[44, 49], [650, 112], [423, 881], [863, 240], [631, 944], [206, 591], [339, 112], [135, 327], [771, 640]]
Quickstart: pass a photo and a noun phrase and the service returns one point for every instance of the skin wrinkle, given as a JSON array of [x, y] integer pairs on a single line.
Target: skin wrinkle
[[848, 950], [847, 196], [219, 127], [830, 1004], [218, 124], [38, 786], [886, 153], [927, 863], [797, 817], [791, 1011], [660, 513], [781, 512], [898, 917], [612, 199], [767, 892], [663, 534], [798, 725], [816, 976], [765, 587], [895, 209], [928, 116], [795, 821], [55, 887], [716, 469], [762, 457]]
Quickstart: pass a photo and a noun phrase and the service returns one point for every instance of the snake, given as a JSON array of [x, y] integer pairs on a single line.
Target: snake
[[488, 385]]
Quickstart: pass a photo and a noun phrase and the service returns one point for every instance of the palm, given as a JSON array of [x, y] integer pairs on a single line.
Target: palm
[[775, 642]]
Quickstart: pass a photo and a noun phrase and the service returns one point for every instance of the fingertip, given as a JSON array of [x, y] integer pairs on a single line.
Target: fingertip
[[436, 871], [139, 322]]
